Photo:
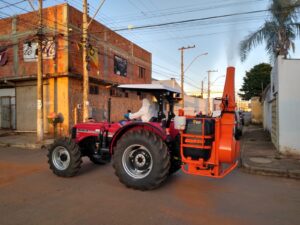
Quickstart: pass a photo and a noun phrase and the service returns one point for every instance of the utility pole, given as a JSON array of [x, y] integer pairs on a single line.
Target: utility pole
[[182, 72], [202, 88], [208, 89], [85, 59], [40, 127]]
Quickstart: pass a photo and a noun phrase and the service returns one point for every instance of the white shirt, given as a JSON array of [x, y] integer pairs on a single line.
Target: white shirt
[[146, 112]]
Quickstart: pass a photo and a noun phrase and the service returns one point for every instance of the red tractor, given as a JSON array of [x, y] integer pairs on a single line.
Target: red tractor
[[145, 153]]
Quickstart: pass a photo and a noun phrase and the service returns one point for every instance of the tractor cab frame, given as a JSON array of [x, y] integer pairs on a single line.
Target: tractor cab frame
[[162, 93]]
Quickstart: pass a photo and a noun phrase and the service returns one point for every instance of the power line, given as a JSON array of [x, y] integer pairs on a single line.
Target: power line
[[193, 20], [27, 11], [12, 4], [169, 12]]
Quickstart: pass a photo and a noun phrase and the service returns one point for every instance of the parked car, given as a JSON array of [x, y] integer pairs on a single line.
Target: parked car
[[239, 120], [241, 113]]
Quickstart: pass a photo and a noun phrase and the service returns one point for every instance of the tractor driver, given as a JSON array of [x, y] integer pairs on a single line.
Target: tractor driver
[[146, 112]]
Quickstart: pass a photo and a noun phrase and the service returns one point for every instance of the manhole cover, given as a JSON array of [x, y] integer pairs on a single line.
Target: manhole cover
[[260, 160]]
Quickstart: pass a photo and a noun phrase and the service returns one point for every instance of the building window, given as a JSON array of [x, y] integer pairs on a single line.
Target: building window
[[94, 90], [120, 66], [115, 92], [141, 95], [142, 72]]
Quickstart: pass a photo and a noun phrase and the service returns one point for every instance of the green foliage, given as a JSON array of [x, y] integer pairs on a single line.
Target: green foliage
[[278, 32], [255, 81]]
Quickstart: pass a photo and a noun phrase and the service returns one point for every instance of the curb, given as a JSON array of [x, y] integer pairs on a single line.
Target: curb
[[295, 174], [24, 146]]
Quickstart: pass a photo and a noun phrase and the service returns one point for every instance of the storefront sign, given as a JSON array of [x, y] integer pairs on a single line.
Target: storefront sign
[[30, 50]]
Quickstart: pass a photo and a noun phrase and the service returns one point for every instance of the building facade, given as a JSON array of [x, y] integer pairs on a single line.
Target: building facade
[[112, 60], [282, 105]]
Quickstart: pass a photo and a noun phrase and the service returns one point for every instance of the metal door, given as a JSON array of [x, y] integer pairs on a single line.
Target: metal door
[[26, 108], [7, 112]]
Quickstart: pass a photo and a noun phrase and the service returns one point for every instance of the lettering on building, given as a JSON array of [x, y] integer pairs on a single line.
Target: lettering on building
[[30, 50]]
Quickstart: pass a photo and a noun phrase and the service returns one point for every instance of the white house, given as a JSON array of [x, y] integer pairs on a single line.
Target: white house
[[192, 105], [282, 106]]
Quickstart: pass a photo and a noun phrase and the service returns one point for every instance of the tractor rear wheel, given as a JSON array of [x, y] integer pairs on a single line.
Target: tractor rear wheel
[[141, 160], [64, 157]]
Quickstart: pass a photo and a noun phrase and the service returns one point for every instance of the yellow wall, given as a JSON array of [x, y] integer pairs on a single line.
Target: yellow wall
[[58, 102], [256, 108]]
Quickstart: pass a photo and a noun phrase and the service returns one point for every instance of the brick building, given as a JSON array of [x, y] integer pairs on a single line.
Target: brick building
[[113, 60]]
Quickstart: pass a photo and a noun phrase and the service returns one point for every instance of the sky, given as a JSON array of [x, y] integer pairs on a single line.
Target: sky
[[220, 38]]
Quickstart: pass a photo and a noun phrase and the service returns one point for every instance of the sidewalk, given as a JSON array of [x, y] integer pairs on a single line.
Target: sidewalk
[[259, 155], [22, 140]]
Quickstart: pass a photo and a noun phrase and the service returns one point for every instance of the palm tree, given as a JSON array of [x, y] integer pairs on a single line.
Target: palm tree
[[279, 31]]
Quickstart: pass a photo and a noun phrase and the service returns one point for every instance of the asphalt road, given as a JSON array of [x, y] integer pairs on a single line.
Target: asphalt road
[[31, 195]]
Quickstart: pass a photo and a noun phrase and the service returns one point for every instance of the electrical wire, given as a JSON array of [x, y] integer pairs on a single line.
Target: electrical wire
[[12, 4], [181, 22], [156, 14]]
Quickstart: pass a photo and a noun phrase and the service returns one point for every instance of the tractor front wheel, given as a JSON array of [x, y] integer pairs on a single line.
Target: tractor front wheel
[[141, 160], [64, 157]]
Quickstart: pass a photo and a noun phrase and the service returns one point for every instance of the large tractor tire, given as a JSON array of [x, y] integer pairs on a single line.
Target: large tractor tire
[[141, 160], [64, 157]]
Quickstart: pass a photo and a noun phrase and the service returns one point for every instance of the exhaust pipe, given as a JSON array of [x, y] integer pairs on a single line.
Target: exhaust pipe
[[229, 89]]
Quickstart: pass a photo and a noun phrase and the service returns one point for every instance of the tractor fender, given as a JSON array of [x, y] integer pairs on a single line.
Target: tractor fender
[[153, 127]]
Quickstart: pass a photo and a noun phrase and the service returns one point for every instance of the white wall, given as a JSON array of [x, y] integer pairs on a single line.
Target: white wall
[[289, 105], [193, 105]]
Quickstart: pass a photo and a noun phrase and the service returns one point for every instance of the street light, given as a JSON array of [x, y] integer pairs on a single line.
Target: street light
[[211, 83], [205, 53], [195, 58], [216, 79]]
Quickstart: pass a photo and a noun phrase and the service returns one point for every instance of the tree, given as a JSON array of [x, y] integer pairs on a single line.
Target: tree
[[278, 32], [255, 81]]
